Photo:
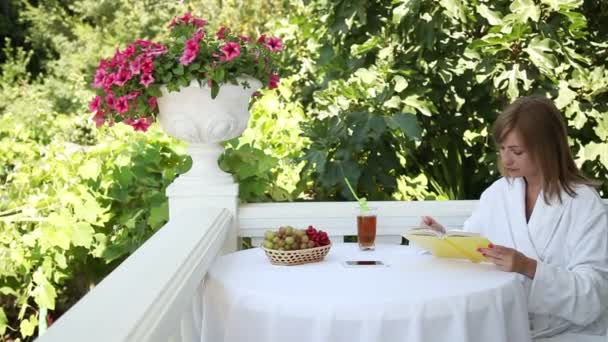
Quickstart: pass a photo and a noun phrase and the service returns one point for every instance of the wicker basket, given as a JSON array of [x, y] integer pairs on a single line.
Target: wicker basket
[[297, 257]]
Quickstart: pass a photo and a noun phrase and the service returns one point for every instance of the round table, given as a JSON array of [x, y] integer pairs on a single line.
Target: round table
[[416, 298]]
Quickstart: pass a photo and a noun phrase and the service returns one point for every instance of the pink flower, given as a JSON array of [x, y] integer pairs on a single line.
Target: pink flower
[[173, 23], [133, 95], [147, 67], [95, 104], [231, 50], [124, 75], [110, 101], [199, 22], [245, 39], [262, 39], [122, 104], [187, 57], [274, 44], [135, 66], [274, 81], [185, 18], [152, 102], [129, 51], [146, 80], [108, 81], [256, 94], [100, 76], [221, 33], [141, 124], [144, 43], [99, 119]]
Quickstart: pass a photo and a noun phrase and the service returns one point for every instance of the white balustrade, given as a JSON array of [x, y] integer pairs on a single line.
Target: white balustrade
[[155, 294]]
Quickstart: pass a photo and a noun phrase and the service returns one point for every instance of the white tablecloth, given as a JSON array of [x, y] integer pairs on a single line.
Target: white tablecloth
[[417, 298]]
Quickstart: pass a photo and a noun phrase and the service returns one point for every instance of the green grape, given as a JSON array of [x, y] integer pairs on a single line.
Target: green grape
[[268, 245], [300, 232], [289, 240], [269, 235], [289, 230], [305, 239], [303, 245]]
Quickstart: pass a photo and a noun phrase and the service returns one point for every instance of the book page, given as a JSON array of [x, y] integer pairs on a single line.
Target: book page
[[423, 231], [460, 233]]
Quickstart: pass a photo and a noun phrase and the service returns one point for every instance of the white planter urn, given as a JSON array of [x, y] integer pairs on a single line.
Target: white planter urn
[[190, 114]]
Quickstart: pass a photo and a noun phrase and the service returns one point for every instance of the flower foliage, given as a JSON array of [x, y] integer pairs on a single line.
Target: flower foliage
[[128, 85]]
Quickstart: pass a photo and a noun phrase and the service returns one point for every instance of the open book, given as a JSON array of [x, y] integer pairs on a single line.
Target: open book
[[451, 244]]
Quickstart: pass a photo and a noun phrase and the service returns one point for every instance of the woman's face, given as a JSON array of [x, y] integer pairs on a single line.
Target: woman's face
[[515, 158]]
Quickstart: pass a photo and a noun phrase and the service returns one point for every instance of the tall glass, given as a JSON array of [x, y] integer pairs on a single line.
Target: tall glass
[[366, 229]]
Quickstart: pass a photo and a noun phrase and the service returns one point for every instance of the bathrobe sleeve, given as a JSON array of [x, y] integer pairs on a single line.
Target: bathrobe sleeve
[[576, 290]]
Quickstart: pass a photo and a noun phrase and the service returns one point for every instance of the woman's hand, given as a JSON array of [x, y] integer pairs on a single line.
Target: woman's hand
[[430, 222], [510, 260]]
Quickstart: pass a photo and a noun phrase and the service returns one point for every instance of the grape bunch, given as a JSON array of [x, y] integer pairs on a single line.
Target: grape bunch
[[289, 238]]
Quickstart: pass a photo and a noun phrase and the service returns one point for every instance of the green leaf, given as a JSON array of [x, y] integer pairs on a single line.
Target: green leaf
[[393, 102], [179, 70], [406, 123], [3, 322], [28, 325], [400, 83], [82, 234], [525, 9], [359, 49], [454, 9], [421, 105], [566, 95], [215, 89], [493, 17], [541, 54], [402, 10], [90, 169], [159, 215]]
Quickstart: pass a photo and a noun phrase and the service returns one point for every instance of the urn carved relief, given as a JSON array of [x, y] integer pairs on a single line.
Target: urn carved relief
[[190, 114]]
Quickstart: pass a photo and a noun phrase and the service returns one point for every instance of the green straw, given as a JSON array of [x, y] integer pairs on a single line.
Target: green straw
[[362, 201]]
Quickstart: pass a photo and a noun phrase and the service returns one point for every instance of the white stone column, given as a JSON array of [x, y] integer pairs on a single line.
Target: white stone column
[[192, 115]]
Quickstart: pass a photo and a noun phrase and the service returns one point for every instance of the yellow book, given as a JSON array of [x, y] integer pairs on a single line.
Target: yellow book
[[451, 244]]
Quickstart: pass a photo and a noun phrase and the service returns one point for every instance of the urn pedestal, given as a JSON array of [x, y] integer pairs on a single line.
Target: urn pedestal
[[190, 114]]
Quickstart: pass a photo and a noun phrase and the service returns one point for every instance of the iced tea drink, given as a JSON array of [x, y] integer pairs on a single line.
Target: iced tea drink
[[366, 229]]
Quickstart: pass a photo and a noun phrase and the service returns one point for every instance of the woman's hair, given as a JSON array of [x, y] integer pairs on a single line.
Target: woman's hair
[[543, 130]]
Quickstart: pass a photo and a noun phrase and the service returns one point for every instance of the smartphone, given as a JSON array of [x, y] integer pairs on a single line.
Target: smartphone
[[355, 263]]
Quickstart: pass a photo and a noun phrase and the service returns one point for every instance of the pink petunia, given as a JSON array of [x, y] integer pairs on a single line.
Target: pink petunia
[[221, 33], [110, 100], [152, 102], [274, 81], [108, 81], [262, 39], [199, 22], [141, 124], [147, 66], [135, 66], [95, 104], [99, 119], [129, 51], [231, 50], [133, 95], [187, 57], [123, 76], [185, 18], [146, 80], [122, 104], [245, 39], [274, 44], [144, 43], [100, 76], [172, 24]]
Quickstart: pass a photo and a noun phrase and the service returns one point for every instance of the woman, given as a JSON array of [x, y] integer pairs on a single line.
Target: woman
[[546, 222]]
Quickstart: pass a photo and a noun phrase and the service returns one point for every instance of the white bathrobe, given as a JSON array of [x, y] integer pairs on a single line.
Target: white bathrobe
[[569, 240]]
